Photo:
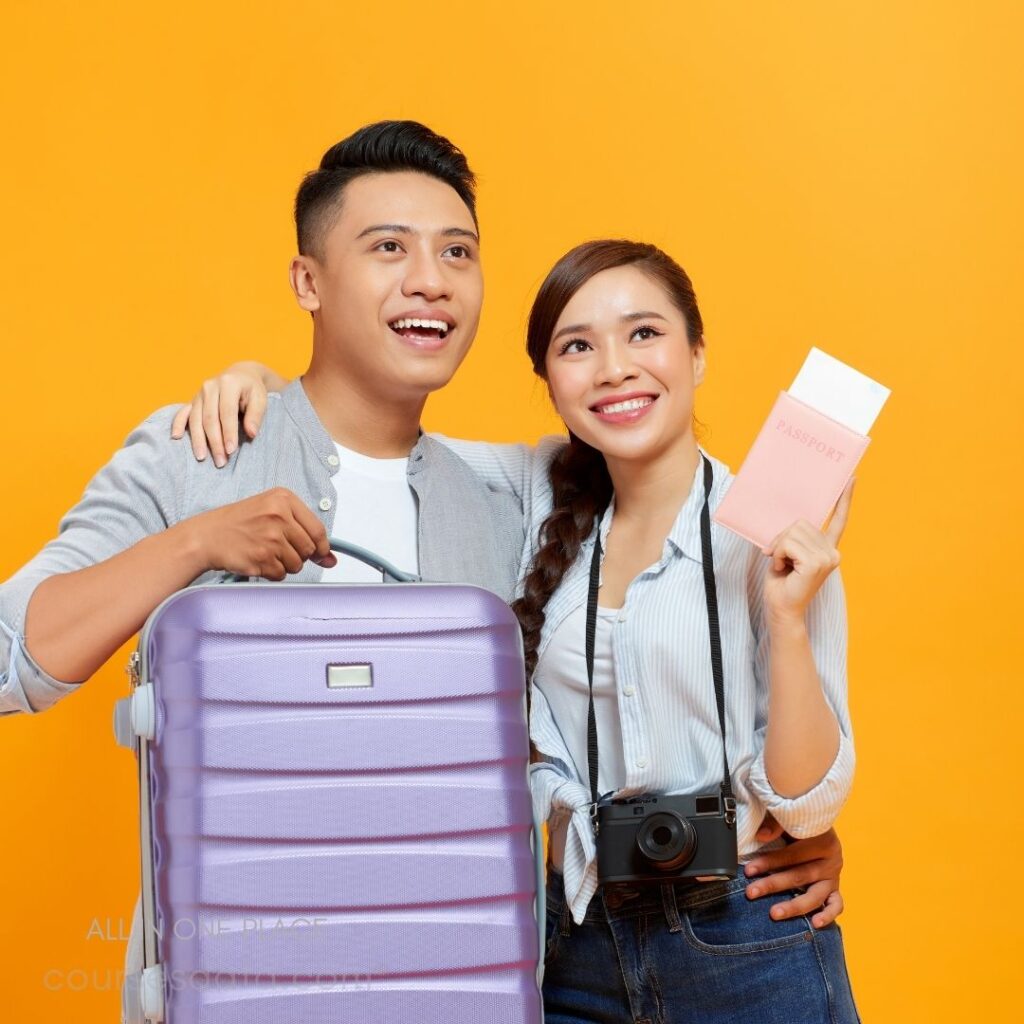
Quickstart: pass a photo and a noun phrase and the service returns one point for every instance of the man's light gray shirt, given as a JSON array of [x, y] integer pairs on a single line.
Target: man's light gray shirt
[[468, 531]]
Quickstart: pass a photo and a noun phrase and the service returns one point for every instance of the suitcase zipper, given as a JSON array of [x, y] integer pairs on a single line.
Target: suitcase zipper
[[133, 669]]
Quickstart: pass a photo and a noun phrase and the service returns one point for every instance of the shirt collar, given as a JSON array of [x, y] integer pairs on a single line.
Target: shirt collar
[[299, 407], [301, 410]]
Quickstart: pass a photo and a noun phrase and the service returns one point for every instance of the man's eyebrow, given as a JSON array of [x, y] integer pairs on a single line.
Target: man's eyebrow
[[461, 233], [405, 229], [626, 318], [391, 229]]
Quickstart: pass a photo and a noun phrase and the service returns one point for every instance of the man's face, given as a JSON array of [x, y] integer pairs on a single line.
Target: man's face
[[397, 289]]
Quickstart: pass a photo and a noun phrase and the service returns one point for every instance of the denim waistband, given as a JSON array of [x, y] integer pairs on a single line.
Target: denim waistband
[[626, 899]]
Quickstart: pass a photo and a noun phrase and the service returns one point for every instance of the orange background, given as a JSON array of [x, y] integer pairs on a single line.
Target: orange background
[[845, 175]]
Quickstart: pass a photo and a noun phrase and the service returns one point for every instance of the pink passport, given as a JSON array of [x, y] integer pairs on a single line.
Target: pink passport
[[796, 469]]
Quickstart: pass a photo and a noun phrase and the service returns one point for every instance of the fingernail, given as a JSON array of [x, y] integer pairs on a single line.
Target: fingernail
[[218, 462], [230, 447], [750, 870], [777, 912], [753, 892]]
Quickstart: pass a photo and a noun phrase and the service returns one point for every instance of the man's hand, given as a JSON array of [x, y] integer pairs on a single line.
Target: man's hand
[[811, 864], [270, 535]]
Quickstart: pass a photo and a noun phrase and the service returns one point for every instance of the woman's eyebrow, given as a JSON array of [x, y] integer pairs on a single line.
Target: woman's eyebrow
[[644, 315], [571, 329], [626, 318]]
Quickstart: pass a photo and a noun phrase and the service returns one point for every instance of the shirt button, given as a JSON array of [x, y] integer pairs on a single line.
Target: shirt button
[[332, 460], [622, 617], [325, 504], [641, 762], [628, 691]]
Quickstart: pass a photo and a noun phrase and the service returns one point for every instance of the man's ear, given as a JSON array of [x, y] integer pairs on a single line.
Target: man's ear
[[302, 275], [699, 363]]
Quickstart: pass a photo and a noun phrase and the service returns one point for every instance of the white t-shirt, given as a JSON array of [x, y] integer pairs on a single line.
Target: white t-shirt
[[376, 510]]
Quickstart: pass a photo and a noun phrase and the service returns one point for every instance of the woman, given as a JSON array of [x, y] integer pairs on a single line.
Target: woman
[[623, 552]]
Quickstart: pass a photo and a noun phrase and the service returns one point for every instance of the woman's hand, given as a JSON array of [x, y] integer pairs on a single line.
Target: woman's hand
[[802, 558], [212, 418]]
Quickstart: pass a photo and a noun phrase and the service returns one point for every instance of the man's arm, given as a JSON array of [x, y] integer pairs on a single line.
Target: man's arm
[[811, 866], [138, 493], [270, 535], [123, 549]]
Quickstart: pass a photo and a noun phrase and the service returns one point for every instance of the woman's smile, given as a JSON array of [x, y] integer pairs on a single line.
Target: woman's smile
[[624, 409]]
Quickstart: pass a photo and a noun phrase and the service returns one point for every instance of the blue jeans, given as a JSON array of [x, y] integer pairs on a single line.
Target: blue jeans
[[700, 954]]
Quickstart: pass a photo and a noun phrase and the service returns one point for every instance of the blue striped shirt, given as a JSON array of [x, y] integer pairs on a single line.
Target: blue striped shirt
[[671, 742]]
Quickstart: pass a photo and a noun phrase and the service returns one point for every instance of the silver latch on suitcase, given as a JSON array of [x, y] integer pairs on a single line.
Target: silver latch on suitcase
[[142, 996], [135, 716]]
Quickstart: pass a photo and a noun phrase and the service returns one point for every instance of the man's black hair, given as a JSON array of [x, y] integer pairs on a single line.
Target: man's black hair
[[381, 147]]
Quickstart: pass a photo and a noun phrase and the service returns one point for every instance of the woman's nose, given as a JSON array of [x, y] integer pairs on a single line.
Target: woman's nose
[[616, 366]]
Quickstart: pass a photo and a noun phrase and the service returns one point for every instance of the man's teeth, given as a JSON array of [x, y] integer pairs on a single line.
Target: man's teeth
[[633, 403], [434, 325]]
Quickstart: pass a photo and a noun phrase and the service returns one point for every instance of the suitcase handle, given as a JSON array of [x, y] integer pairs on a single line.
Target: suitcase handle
[[387, 570]]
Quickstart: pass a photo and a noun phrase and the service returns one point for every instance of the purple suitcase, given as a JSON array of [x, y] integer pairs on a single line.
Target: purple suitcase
[[336, 818]]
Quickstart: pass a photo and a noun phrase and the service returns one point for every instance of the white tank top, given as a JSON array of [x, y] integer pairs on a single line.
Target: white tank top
[[562, 677]]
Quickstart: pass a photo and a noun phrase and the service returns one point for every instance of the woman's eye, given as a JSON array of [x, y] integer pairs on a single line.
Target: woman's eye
[[644, 333], [460, 252], [576, 345]]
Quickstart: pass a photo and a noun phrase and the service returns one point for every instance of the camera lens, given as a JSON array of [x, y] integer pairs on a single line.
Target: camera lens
[[667, 840]]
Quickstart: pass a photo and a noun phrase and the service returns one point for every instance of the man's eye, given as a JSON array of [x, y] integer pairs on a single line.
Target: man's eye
[[389, 247]]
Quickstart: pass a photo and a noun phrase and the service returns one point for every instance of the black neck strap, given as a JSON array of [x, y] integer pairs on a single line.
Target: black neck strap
[[711, 598]]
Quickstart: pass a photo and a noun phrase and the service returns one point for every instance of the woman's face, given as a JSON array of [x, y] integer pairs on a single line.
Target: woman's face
[[620, 369]]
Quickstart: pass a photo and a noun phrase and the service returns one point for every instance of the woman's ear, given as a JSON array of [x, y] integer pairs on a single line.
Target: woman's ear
[[302, 275], [699, 363]]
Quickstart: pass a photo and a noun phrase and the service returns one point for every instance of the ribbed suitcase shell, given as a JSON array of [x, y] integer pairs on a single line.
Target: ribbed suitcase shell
[[340, 855]]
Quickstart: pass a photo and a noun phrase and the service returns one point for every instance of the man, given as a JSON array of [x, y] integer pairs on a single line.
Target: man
[[389, 269], [390, 272]]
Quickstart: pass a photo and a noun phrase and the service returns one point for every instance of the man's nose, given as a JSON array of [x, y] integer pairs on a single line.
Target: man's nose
[[426, 277]]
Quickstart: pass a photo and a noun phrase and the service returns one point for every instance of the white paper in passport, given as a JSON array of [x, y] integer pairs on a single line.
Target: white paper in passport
[[839, 391]]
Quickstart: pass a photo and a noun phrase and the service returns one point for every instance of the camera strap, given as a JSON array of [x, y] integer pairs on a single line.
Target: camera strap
[[711, 599]]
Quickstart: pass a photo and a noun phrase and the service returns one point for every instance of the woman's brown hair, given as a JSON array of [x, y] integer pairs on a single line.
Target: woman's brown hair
[[580, 482]]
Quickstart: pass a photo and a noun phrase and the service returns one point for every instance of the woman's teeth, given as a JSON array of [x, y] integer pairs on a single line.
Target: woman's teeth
[[633, 403]]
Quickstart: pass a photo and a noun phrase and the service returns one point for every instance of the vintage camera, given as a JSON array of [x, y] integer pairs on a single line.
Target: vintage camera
[[664, 838]]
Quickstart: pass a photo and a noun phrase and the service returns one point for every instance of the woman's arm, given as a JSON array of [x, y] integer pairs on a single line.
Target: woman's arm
[[802, 737], [241, 391]]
